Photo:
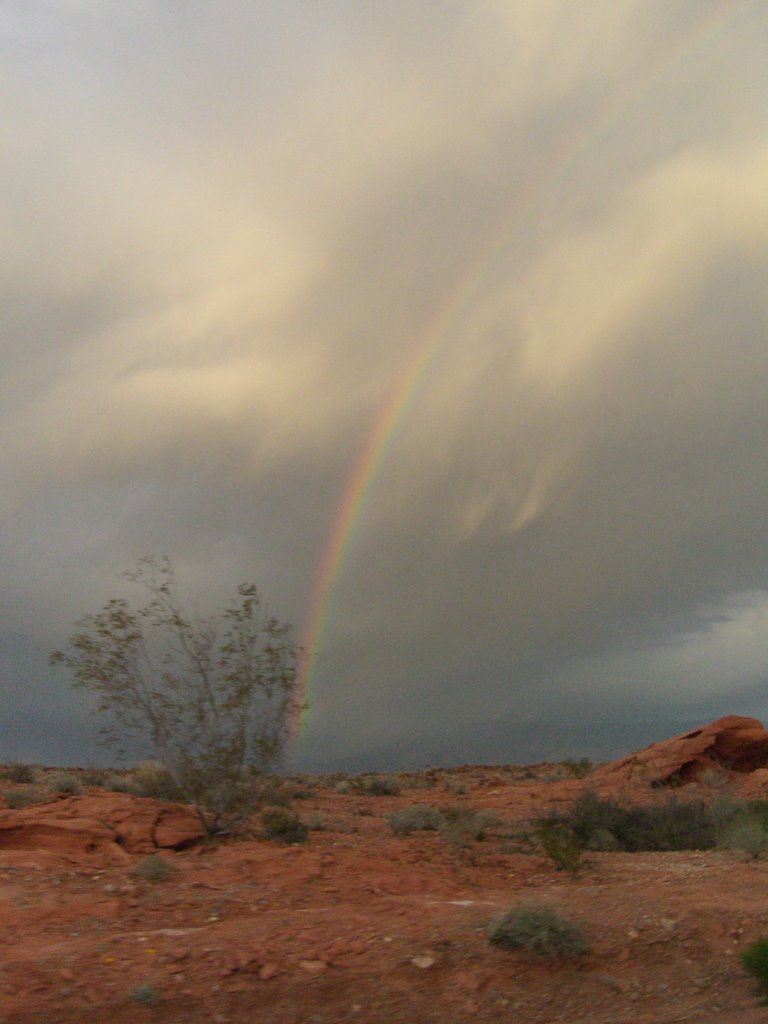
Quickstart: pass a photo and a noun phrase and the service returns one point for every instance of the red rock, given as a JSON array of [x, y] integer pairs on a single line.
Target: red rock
[[733, 743], [101, 824]]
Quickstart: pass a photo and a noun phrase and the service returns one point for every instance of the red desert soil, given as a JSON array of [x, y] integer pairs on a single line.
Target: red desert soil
[[364, 926]]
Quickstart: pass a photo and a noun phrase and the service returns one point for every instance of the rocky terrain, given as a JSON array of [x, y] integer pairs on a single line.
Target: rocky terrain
[[359, 923]]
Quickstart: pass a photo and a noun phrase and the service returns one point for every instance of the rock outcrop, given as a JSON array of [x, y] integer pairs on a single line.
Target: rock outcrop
[[732, 743], [100, 824]]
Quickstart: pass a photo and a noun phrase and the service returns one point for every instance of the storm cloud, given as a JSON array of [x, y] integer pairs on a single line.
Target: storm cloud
[[228, 230]]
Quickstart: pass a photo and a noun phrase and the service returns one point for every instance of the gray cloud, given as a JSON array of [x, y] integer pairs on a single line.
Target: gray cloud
[[227, 234]]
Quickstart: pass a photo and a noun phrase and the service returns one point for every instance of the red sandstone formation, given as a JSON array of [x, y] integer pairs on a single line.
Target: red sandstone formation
[[100, 824], [732, 743]]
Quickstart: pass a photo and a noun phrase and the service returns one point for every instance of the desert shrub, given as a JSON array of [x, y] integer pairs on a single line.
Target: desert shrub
[[463, 825], [146, 994], [282, 824], [672, 825], [271, 792], [20, 774], [119, 783], [456, 787], [725, 809], [540, 930], [747, 834], [602, 841], [380, 785], [152, 779], [577, 769], [209, 697], [315, 821], [754, 959], [18, 798], [64, 782], [713, 778], [343, 786], [154, 869], [469, 822], [415, 818], [758, 809], [561, 846], [94, 777]]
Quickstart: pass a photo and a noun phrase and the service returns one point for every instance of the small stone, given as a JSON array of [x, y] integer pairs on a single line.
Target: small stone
[[313, 967], [423, 962], [268, 971]]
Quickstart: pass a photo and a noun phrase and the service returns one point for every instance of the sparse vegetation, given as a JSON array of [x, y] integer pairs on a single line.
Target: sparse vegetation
[[154, 869], [540, 930], [20, 774], [380, 785], [747, 834], [64, 782], [456, 787], [754, 959], [316, 821], [152, 779], [211, 697], [146, 994], [577, 769], [673, 825], [94, 777], [415, 818], [282, 824], [15, 799], [561, 846]]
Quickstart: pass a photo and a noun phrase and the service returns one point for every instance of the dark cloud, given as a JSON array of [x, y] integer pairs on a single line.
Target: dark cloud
[[227, 235]]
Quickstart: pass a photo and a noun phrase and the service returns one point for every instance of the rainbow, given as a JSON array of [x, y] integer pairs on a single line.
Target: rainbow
[[441, 327]]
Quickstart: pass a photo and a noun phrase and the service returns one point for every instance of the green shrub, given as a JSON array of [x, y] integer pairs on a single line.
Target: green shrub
[[747, 834], [315, 821], [577, 769], [469, 822], [64, 782], [19, 773], [602, 841], [282, 824], [455, 787], [18, 798], [146, 994], [151, 779], [539, 930], [415, 818], [754, 959], [380, 785], [562, 848], [154, 869], [94, 777], [725, 809], [758, 809], [673, 825], [271, 792], [713, 777], [343, 786]]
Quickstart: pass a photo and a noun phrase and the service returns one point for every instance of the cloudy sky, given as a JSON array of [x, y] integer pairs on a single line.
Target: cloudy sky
[[490, 272]]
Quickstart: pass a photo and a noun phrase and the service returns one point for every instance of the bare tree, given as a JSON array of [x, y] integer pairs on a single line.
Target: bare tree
[[213, 698]]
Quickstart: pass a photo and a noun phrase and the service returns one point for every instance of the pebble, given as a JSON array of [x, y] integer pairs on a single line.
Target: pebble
[[313, 966], [423, 962]]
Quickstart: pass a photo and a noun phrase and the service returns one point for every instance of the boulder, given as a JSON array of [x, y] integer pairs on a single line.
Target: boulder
[[732, 743]]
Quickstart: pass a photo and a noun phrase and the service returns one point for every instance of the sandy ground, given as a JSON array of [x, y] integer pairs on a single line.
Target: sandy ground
[[364, 926]]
